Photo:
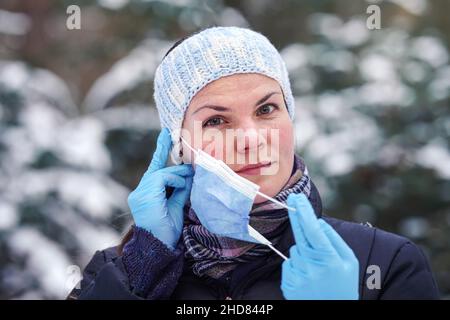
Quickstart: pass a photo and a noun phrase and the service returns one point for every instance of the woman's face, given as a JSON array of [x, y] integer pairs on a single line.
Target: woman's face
[[242, 120]]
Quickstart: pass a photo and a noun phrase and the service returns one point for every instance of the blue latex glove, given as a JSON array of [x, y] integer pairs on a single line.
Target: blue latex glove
[[321, 265], [148, 203]]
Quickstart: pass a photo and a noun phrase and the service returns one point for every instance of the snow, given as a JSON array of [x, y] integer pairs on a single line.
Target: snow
[[430, 50], [14, 23], [81, 143], [435, 155], [417, 7], [386, 93], [139, 66], [376, 67], [415, 227], [8, 216], [45, 259]]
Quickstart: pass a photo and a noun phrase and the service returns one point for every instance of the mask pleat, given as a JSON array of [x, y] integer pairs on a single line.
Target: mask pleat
[[228, 176]]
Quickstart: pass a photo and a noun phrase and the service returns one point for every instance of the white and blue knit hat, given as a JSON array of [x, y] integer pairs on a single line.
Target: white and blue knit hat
[[207, 56]]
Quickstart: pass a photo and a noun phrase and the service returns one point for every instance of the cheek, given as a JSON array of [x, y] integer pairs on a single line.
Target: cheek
[[284, 140]]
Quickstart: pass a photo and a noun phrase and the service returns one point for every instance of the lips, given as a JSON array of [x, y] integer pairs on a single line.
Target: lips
[[252, 168]]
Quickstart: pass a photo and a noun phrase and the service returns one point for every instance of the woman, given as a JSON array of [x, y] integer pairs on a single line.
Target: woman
[[221, 80]]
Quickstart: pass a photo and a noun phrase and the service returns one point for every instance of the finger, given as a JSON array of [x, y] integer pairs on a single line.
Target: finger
[[159, 158], [310, 224], [157, 188], [341, 247], [183, 170], [172, 180], [299, 236], [292, 278], [297, 259], [179, 198]]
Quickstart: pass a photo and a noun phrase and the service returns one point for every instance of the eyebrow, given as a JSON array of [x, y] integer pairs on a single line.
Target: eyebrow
[[225, 109]]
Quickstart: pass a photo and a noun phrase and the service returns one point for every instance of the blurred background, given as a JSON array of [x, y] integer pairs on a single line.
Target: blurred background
[[78, 123]]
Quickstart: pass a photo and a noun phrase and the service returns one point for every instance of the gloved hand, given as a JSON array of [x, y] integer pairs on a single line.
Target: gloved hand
[[321, 265], [148, 203]]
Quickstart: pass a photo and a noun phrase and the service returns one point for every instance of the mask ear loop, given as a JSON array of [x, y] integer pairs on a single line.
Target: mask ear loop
[[187, 144], [258, 236], [275, 201]]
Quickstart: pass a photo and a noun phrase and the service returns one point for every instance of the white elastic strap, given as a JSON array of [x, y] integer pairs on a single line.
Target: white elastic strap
[[259, 237], [277, 252], [275, 201], [187, 144]]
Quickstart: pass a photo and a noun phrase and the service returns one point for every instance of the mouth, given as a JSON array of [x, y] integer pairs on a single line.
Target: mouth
[[254, 169]]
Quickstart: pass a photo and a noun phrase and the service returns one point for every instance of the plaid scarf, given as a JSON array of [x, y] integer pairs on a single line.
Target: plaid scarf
[[213, 255]]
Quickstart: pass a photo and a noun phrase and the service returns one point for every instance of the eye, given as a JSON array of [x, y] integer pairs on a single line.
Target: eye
[[213, 122], [266, 109]]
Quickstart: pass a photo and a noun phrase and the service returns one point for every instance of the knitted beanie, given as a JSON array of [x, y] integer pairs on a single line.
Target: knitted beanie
[[207, 56]]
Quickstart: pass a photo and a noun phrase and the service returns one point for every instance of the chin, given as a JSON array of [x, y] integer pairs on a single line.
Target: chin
[[267, 191]]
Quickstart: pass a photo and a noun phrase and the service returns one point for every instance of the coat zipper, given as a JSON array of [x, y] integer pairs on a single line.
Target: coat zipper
[[226, 293]]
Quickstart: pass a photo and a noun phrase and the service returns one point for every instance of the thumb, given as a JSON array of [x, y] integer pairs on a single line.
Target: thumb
[[161, 154], [177, 201], [180, 195]]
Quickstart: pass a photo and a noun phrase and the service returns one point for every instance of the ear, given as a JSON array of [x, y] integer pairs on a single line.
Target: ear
[[176, 154], [181, 155]]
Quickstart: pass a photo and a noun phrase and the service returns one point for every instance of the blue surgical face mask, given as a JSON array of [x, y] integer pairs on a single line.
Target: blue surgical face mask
[[222, 199]]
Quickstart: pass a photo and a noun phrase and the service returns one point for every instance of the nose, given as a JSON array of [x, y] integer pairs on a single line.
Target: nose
[[248, 138]]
